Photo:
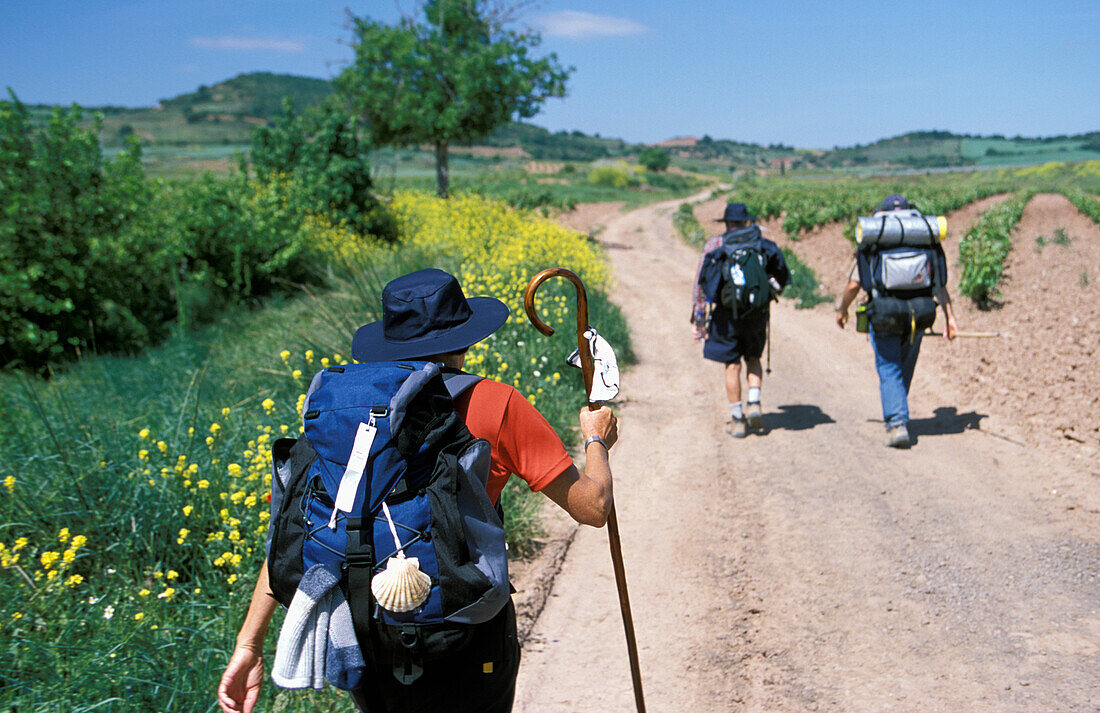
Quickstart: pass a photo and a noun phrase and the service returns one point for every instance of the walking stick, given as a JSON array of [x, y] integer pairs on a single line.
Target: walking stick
[[769, 369], [587, 370], [968, 335]]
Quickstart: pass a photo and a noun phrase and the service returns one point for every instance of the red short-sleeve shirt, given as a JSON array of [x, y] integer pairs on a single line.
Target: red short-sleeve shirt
[[521, 440]]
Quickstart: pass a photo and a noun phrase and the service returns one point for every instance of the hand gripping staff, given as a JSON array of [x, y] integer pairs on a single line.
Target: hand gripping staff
[[584, 350]]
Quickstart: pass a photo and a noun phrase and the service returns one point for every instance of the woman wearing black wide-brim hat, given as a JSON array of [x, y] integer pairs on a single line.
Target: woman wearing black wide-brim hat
[[426, 316]]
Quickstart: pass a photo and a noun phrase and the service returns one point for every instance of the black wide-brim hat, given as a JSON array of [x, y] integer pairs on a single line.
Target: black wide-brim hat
[[426, 313], [735, 212]]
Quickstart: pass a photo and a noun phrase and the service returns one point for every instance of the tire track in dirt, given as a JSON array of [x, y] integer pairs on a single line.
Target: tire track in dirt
[[811, 568]]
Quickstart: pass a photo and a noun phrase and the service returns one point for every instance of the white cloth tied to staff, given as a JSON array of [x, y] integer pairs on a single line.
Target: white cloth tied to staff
[[605, 376]]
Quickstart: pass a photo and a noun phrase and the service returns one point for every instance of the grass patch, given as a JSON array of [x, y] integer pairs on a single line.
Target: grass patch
[[804, 287]]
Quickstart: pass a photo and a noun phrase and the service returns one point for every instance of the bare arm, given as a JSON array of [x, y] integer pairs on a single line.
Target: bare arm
[[851, 291], [952, 328], [244, 674], [587, 495]]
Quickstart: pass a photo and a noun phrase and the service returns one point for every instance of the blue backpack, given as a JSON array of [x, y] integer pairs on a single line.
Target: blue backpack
[[413, 462]]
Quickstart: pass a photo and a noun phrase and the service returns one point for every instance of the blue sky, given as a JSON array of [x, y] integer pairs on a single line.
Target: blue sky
[[809, 74]]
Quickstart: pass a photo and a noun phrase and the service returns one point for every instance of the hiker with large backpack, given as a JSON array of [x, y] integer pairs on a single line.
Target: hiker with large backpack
[[739, 275], [901, 266], [386, 542]]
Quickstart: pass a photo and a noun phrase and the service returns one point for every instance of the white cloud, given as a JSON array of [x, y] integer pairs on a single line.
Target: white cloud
[[578, 25], [247, 43]]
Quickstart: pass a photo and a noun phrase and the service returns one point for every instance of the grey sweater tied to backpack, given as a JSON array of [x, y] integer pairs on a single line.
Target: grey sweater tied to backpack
[[317, 641]]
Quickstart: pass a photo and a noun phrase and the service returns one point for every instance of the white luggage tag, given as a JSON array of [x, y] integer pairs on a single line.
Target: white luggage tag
[[605, 376], [353, 473]]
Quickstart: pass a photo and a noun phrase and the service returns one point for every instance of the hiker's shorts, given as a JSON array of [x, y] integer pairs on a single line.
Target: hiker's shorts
[[481, 678], [728, 341]]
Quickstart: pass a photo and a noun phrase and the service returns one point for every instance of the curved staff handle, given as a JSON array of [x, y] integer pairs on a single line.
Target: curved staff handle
[[588, 368]]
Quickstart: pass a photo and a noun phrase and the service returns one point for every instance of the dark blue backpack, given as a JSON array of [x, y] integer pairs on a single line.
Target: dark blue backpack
[[423, 463], [734, 275]]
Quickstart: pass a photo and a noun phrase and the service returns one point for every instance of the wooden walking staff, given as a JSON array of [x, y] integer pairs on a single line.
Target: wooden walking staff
[[587, 370]]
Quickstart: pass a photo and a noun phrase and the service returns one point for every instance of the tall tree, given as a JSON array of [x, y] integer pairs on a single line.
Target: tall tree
[[449, 77]]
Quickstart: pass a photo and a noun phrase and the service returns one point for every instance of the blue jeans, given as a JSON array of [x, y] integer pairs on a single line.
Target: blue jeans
[[895, 361]]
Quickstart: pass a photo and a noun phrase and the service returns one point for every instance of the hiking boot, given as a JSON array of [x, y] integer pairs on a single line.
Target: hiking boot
[[737, 428], [898, 436], [754, 415]]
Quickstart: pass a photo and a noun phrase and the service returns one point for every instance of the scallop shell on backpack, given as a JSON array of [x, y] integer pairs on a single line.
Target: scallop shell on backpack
[[401, 587]]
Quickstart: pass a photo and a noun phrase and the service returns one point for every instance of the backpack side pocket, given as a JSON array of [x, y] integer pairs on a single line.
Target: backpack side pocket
[[286, 533]]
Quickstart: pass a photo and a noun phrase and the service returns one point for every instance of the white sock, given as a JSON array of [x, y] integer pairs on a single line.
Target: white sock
[[735, 411], [754, 394]]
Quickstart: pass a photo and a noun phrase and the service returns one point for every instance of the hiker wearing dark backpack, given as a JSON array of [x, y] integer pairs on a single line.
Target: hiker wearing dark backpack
[[383, 651], [903, 272], [739, 275]]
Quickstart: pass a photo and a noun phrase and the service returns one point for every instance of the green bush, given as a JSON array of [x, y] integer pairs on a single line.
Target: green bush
[[654, 158], [619, 176], [319, 150], [93, 257], [985, 246], [688, 227], [72, 276], [1089, 205], [804, 284]]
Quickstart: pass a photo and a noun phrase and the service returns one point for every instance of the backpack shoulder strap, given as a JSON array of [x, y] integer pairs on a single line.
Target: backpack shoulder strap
[[459, 383]]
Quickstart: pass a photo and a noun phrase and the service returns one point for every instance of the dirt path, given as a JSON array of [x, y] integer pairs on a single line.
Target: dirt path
[[811, 568]]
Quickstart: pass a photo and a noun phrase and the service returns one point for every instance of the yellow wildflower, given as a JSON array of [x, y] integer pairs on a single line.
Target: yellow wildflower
[[63, 535], [225, 411], [297, 373], [74, 580], [203, 484], [144, 592], [214, 428], [231, 578], [187, 510], [234, 469], [20, 543], [139, 616], [167, 594], [171, 574], [68, 556], [9, 483], [268, 405], [143, 433], [284, 354], [143, 454], [79, 541], [162, 446], [49, 558]]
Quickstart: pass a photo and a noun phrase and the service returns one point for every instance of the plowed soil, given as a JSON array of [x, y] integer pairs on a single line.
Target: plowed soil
[[809, 568]]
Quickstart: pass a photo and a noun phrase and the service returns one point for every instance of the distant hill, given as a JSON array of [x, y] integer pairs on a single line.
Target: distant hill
[[543, 145], [934, 149], [223, 113]]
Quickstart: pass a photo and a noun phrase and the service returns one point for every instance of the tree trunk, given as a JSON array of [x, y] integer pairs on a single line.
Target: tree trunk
[[442, 176]]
